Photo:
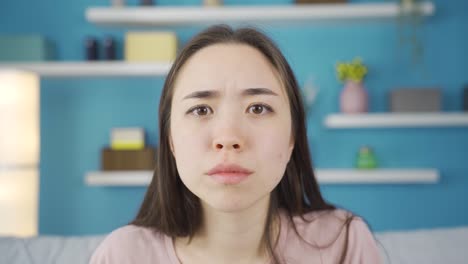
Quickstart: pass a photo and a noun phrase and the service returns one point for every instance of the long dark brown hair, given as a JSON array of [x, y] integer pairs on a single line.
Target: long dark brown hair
[[169, 207]]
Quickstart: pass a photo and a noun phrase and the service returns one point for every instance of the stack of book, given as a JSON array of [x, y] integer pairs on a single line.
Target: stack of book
[[128, 151]]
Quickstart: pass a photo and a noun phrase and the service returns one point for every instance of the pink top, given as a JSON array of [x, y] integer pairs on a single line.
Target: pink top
[[132, 244]]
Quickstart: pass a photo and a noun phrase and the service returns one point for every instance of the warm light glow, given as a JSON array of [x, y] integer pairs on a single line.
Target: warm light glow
[[18, 202], [19, 153]]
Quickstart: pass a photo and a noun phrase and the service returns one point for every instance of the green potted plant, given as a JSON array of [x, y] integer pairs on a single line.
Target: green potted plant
[[353, 97], [366, 158]]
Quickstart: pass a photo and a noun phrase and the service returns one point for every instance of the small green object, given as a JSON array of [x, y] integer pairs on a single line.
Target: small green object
[[354, 70], [366, 159]]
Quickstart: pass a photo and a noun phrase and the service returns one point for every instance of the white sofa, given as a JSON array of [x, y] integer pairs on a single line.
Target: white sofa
[[429, 246], [48, 249]]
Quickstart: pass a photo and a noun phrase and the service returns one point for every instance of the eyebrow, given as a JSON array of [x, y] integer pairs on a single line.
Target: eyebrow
[[246, 92]]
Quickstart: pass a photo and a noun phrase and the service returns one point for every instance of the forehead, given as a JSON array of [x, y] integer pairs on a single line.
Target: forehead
[[233, 66]]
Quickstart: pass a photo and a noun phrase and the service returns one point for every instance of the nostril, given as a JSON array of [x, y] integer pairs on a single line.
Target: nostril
[[220, 146]]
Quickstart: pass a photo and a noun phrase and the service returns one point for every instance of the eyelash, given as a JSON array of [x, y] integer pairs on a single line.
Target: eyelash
[[267, 107]]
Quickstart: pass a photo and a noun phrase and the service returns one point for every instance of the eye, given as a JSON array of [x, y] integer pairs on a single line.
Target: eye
[[199, 110], [203, 110], [258, 108]]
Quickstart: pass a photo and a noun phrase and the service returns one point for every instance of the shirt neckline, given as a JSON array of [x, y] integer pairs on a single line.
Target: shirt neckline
[[170, 248]]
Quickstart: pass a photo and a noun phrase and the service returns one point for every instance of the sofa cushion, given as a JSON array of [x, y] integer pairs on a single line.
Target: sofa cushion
[[429, 246], [48, 249]]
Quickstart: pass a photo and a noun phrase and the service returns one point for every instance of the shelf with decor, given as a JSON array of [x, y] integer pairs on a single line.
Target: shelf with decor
[[397, 120], [91, 69], [324, 176], [171, 15]]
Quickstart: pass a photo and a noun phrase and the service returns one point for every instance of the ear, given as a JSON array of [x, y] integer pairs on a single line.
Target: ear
[[171, 145], [291, 147]]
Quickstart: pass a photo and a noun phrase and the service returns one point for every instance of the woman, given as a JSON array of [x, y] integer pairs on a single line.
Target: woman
[[234, 181]]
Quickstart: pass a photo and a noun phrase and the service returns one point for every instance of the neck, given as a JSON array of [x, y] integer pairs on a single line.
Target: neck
[[231, 237]]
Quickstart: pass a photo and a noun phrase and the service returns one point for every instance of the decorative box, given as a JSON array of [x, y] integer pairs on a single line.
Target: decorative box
[[144, 159], [25, 48], [150, 46], [130, 138], [415, 100]]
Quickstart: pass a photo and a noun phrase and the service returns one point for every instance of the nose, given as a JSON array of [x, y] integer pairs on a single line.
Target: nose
[[227, 134]]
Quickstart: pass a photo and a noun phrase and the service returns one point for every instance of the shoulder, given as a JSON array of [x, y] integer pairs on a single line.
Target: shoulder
[[362, 246], [127, 244], [331, 232], [321, 227], [131, 235]]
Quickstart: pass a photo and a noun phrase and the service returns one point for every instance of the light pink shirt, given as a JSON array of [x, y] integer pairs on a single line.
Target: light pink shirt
[[132, 244]]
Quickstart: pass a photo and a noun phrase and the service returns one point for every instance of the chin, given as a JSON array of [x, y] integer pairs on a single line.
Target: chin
[[227, 205], [231, 204]]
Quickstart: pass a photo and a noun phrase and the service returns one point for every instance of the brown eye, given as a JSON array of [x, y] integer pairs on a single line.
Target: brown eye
[[258, 108], [199, 110]]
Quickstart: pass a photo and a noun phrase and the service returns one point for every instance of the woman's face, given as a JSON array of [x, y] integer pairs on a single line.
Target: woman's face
[[230, 125]]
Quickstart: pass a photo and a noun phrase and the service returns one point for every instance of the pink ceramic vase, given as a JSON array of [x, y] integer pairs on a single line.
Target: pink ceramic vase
[[353, 98]]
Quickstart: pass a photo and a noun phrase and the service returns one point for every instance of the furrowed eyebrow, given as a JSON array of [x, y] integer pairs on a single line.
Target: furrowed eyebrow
[[247, 92]]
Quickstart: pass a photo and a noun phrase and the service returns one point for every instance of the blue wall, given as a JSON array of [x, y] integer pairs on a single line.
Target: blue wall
[[77, 115]]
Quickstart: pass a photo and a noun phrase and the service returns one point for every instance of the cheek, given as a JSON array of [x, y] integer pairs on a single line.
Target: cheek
[[273, 154], [188, 147], [184, 148], [281, 156], [274, 146], [184, 137]]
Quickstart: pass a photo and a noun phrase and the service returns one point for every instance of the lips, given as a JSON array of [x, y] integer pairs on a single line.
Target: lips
[[229, 169]]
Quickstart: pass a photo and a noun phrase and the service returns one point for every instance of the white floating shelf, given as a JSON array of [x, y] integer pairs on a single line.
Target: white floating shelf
[[171, 15], [324, 176], [383, 120], [119, 178], [91, 69], [377, 176]]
